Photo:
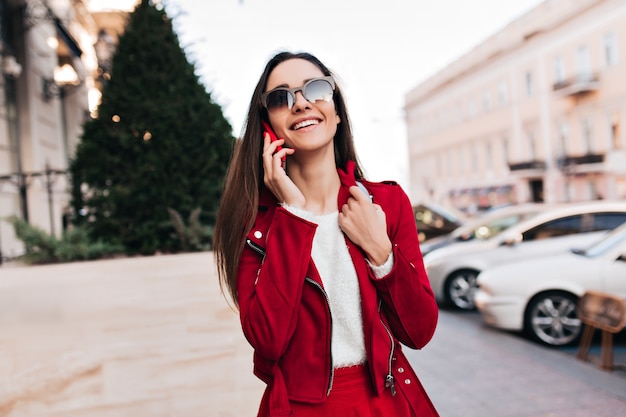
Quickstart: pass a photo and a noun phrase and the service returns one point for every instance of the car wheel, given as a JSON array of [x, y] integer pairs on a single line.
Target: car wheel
[[551, 319], [461, 288]]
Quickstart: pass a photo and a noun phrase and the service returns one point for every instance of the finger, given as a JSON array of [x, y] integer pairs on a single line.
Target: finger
[[266, 141], [269, 144], [284, 152], [358, 194], [266, 154], [277, 161]]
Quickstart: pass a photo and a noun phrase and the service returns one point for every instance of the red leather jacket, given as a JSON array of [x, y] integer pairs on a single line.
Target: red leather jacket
[[285, 314]]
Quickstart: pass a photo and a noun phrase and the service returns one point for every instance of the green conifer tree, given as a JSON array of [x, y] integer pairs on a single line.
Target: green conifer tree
[[159, 142]]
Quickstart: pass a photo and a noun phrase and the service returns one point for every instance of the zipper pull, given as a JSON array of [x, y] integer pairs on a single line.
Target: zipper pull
[[390, 384]]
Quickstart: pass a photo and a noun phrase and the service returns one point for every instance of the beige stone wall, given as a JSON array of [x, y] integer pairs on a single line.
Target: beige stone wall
[[148, 336]]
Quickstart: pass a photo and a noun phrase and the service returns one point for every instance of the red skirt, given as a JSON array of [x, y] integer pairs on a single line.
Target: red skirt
[[352, 395]]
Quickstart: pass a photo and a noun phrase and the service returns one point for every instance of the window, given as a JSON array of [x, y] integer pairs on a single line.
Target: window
[[472, 108], [496, 226], [505, 150], [614, 132], [489, 157], [474, 151], [461, 161], [529, 84], [559, 70], [503, 94], [563, 134], [558, 227], [579, 223], [584, 63], [610, 49], [486, 101], [587, 135], [607, 221], [532, 147]]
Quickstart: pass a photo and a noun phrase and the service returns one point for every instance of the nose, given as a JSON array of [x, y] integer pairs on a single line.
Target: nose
[[300, 102]]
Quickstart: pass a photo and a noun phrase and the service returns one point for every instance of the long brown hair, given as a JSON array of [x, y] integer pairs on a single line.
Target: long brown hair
[[244, 179]]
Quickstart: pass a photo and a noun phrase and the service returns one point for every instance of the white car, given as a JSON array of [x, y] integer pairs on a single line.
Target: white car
[[540, 296], [485, 226], [453, 269]]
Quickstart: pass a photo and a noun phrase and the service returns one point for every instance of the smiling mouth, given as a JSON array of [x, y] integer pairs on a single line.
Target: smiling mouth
[[305, 123]]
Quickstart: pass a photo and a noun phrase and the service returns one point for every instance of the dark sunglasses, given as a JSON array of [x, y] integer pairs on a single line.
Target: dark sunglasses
[[313, 90]]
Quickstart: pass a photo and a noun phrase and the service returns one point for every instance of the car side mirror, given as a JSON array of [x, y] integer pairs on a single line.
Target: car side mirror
[[622, 257]]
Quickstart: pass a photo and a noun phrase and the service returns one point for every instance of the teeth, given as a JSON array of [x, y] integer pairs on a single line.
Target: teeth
[[305, 124]]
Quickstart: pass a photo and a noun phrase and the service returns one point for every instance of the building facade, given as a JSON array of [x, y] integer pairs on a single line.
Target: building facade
[[53, 67], [534, 113]]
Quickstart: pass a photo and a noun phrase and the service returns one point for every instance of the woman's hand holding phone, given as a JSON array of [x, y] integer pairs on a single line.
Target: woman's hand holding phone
[[268, 129], [275, 177]]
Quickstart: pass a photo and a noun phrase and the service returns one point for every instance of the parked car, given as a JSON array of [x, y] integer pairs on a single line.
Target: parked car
[[540, 296], [485, 226], [453, 269], [433, 220]]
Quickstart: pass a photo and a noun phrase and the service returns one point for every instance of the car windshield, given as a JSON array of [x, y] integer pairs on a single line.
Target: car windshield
[[484, 230], [447, 213], [614, 238]]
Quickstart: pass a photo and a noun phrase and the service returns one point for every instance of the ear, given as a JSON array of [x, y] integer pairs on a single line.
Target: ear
[[337, 118]]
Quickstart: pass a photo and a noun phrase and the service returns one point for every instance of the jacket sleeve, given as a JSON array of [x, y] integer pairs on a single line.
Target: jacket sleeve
[[270, 280], [407, 298]]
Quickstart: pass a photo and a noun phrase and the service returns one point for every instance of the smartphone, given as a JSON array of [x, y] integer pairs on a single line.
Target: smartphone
[[267, 128]]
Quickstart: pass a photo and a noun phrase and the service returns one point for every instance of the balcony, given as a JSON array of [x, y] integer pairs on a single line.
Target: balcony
[[580, 164], [577, 86], [534, 165]]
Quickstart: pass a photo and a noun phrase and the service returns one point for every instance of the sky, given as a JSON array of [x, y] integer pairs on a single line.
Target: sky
[[378, 51]]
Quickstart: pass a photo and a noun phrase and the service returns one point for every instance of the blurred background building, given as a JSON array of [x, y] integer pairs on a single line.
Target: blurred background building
[[54, 58], [534, 113]]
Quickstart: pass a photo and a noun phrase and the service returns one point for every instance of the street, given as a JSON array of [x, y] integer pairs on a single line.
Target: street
[[153, 337], [471, 370]]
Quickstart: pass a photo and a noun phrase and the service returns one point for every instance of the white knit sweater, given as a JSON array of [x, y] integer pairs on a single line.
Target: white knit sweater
[[334, 264]]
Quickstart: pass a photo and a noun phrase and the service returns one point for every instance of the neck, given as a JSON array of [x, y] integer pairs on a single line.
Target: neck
[[319, 183]]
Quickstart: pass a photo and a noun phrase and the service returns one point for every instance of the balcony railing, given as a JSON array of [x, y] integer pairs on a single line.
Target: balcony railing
[[579, 164], [577, 86], [534, 165], [570, 161]]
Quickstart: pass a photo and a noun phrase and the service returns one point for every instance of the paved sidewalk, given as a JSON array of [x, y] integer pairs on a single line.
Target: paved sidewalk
[[471, 370], [140, 337]]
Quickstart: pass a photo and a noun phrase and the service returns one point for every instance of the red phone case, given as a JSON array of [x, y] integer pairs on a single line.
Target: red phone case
[[267, 128]]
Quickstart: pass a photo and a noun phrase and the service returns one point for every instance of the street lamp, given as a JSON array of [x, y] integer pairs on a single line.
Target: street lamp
[[65, 78], [10, 67]]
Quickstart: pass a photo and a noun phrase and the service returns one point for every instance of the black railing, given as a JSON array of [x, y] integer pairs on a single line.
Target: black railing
[[534, 164], [590, 158], [22, 181]]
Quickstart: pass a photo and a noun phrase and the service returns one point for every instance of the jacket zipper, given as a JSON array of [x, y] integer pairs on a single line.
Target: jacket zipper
[[258, 249], [389, 381], [332, 368]]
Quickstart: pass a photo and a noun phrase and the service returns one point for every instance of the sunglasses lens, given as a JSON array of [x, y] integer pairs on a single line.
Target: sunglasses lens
[[284, 98], [278, 99], [318, 90]]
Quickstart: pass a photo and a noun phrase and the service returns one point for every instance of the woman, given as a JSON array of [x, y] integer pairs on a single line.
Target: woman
[[323, 265]]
